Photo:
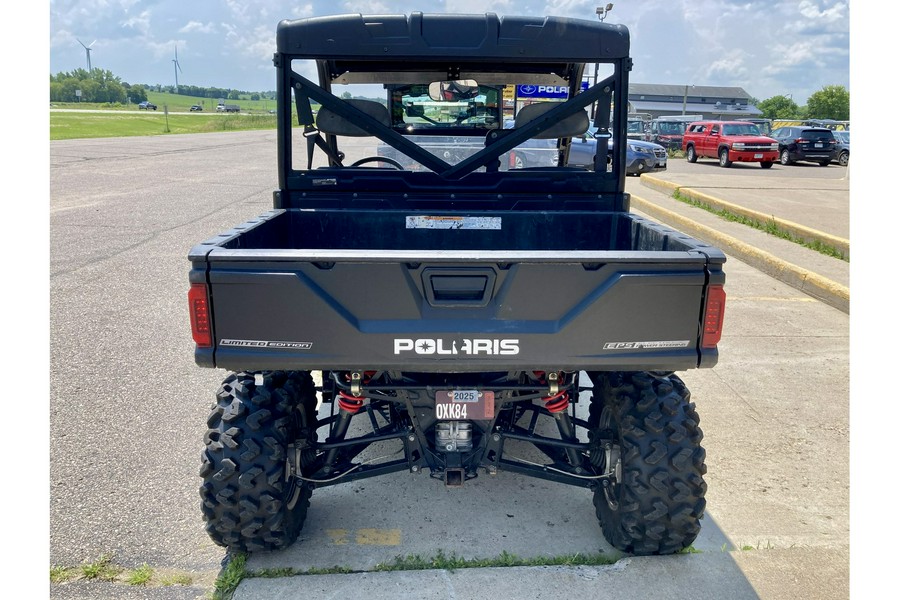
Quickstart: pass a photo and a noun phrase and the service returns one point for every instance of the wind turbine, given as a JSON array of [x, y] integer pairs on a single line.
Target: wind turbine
[[87, 50], [177, 68]]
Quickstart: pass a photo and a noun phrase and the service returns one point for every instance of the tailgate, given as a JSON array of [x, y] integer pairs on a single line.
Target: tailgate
[[455, 310]]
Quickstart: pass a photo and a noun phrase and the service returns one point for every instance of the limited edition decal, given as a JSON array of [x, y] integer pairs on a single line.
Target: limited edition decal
[[267, 344], [646, 345]]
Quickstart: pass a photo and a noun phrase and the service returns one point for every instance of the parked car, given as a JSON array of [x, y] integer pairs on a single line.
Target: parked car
[[730, 142], [640, 156], [147, 105], [636, 129], [668, 131], [764, 125], [843, 148], [810, 144], [196, 108]]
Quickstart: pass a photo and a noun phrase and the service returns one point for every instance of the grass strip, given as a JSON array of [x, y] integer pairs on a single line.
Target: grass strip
[[453, 562], [768, 227], [236, 570], [103, 569]]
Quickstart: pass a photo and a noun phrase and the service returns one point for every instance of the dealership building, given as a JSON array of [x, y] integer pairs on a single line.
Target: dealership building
[[654, 100], [713, 102]]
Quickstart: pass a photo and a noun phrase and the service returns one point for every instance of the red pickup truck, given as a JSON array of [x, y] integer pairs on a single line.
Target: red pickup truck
[[730, 142]]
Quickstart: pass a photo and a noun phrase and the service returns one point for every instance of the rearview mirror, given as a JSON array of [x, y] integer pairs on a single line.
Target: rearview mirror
[[453, 91]]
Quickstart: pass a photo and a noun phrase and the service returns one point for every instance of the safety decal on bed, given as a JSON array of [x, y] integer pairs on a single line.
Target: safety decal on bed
[[432, 222]]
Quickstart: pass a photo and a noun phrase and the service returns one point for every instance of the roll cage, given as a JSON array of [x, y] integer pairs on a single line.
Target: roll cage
[[399, 51]]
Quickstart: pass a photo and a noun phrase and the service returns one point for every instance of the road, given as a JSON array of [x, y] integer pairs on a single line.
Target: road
[[128, 406]]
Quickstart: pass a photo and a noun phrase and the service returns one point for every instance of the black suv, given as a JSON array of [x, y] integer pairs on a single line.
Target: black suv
[[813, 144]]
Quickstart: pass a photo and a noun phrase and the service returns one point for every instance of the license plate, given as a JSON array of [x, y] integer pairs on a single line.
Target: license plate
[[757, 156], [461, 405], [820, 145]]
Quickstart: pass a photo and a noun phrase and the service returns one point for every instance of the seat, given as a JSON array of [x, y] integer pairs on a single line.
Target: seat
[[571, 126], [330, 123], [327, 121]]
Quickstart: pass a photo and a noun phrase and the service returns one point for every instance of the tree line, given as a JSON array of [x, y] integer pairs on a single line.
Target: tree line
[[104, 87], [831, 102], [97, 86]]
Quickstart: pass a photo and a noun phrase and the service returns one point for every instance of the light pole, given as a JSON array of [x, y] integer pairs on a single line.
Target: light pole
[[684, 101], [602, 12]]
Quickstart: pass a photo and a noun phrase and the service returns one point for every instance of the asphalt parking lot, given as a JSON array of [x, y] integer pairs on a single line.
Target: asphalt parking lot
[[128, 408]]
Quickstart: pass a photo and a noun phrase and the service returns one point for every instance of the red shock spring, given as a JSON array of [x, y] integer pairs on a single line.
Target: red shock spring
[[348, 403], [557, 402]]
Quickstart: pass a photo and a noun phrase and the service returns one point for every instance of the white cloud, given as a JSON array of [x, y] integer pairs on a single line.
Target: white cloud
[[302, 12], [139, 23], [832, 14], [366, 7], [197, 27], [260, 43], [729, 67], [766, 46]]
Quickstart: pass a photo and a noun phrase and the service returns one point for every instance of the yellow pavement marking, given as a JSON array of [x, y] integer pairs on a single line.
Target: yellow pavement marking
[[365, 537], [338, 536], [378, 537]]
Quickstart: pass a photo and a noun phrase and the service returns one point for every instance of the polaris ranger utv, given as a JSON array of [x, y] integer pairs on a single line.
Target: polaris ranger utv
[[432, 315]]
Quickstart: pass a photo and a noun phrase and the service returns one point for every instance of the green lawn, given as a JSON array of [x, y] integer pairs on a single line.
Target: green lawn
[[112, 123], [115, 122]]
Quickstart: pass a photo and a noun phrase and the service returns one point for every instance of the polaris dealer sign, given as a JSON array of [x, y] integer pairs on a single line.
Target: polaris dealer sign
[[558, 92]]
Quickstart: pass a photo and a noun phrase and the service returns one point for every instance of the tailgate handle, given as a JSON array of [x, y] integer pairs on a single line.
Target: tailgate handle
[[459, 287]]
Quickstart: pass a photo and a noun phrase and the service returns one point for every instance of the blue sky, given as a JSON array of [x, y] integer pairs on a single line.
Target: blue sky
[[767, 47]]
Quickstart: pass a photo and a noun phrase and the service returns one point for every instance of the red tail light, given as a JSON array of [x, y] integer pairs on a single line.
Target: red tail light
[[199, 306], [512, 160], [714, 317]]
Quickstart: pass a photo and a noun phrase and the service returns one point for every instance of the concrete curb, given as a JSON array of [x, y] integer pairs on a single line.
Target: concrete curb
[[802, 232], [830, 292]]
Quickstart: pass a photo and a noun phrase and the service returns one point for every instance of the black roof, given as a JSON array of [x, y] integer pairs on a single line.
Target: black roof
[[470, 39]]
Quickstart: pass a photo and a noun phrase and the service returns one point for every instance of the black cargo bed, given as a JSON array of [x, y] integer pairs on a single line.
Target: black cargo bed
[[344, 290], [315, 232]]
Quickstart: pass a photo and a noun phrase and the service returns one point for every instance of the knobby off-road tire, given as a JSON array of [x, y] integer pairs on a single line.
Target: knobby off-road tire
[[655, 504], [249, 501]]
